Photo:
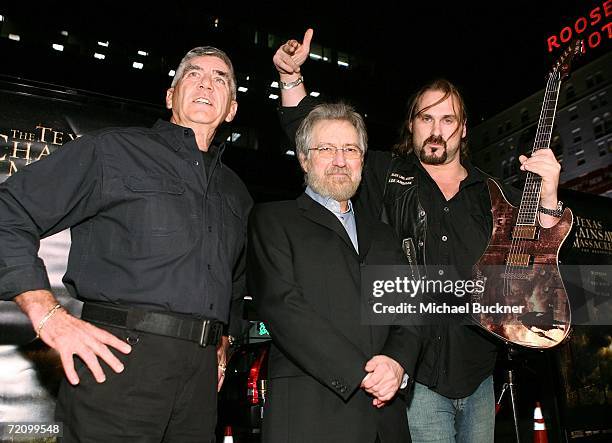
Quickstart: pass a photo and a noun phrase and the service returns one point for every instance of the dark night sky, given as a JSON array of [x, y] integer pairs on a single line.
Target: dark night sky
[[495, 51]]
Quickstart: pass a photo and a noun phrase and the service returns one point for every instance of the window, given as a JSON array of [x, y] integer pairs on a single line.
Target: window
[[570, 93], [576, 136], [343, 59], [598, 127], [603, 99], [524, 116], [508, 125], [602, 149], [273, 41], [607, 121], [573, 113], [318, 52], [512, 166], [590, 81], [599, 77], [593, 102], [556, 146], [580, 157]]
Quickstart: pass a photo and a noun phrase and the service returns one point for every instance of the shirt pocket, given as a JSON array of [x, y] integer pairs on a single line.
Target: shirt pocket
[[159, 213], [234, 227]]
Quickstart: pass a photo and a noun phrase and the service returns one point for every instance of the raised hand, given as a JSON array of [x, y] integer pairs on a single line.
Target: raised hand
[[544, 164], [290, 56]]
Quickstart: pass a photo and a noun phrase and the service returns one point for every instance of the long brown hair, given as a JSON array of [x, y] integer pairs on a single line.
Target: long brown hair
[[405, 146]]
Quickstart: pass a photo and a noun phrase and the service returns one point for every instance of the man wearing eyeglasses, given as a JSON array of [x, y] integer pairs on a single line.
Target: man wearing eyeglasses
[[329, 374]]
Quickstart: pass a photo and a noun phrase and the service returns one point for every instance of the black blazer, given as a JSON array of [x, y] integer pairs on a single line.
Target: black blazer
[[304, 277]]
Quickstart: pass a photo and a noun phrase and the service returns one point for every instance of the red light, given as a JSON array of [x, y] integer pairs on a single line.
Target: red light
[[253, 380]]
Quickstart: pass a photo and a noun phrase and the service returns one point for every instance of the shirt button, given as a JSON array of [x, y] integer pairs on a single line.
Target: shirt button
[[446, 209], [444, 238], [422, 213], [195, 162]]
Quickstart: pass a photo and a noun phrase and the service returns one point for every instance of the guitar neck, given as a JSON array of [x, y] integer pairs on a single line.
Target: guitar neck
[[528, 210]]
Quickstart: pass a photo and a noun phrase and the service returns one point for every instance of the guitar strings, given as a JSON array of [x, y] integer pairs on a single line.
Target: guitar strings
[[530, 199]]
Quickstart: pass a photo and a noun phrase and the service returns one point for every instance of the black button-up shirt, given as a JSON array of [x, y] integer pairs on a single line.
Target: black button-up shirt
[[457, 234], [150, 225]]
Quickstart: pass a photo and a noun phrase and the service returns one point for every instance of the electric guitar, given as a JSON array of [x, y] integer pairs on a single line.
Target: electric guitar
[[528, 304]]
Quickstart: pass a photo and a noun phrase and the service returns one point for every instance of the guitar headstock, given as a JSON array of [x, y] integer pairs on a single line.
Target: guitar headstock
[[563, 65]]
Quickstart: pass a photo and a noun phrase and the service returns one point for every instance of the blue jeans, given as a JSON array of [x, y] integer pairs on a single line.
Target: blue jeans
[[435, 418]]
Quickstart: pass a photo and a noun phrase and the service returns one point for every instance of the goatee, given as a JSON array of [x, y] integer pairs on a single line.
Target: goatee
[[432, 159]]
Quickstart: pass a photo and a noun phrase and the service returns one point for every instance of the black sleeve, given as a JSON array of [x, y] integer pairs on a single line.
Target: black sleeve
[[292, 117], [370, 194], [42, 199], [404, 346]]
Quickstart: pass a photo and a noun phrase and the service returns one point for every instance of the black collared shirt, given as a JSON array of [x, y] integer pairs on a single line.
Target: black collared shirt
[[150, 226], [458, 232]]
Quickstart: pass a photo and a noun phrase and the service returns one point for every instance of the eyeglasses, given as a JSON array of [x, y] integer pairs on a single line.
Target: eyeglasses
[[351, 152]]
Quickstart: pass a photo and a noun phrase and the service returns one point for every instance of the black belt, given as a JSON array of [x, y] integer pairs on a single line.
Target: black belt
[[203, 332]]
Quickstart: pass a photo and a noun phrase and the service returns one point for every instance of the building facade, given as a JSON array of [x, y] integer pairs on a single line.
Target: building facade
[[581, 138]]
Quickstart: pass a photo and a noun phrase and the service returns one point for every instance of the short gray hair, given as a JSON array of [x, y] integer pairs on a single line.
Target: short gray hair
[[329, 111], [199, 52]]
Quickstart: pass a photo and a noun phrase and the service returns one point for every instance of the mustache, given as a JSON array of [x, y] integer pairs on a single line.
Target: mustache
[[435, 139], [338, 170]]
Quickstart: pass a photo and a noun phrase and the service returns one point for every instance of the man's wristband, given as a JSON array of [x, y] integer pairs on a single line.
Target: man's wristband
[[292, 84], [558, 213], [46, 318]]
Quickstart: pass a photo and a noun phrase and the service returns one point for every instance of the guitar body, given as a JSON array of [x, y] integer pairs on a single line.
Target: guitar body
[[520, 268]]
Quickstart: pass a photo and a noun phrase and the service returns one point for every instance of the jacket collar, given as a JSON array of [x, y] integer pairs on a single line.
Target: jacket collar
[[319, 214]]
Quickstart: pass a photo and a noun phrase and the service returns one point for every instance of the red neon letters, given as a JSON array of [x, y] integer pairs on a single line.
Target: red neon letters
[[597, 22]]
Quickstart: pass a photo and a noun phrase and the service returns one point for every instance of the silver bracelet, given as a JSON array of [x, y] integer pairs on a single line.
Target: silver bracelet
[[292, 84], [46, 318]]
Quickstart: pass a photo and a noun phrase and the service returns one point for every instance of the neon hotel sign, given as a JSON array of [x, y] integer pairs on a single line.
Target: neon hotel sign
[[594, 27]]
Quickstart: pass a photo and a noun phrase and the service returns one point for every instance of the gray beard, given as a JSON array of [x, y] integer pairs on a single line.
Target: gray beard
[[337, 191]]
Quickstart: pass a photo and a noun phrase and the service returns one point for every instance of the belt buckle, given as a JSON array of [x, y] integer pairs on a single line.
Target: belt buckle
[[209, 327]]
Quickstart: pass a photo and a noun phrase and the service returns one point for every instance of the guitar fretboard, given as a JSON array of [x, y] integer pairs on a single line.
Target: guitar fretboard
[[528, 210]]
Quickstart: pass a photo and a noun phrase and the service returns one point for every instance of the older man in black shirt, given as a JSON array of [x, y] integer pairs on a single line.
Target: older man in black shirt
[[158, 233], [440, 208]]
